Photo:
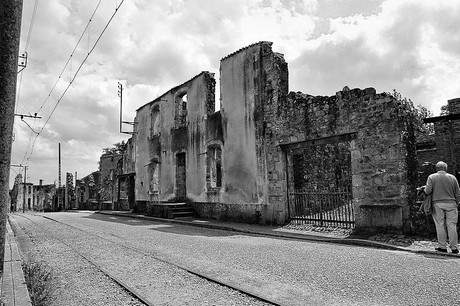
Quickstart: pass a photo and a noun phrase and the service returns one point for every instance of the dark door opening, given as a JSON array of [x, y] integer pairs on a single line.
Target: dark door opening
[[181, 177], [130, 191], [320, 180]]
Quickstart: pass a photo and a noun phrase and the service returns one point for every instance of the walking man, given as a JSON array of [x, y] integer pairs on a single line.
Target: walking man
[[446, 197]]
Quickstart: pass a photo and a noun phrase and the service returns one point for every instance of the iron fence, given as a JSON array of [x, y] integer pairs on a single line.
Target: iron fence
[[323, 207]]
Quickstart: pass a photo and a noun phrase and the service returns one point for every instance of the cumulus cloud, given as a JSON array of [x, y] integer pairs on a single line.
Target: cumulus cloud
[[404, 46], [151, 46]]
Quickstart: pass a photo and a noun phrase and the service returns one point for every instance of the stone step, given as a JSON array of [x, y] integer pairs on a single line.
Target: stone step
[[181, 209], [181, 214]]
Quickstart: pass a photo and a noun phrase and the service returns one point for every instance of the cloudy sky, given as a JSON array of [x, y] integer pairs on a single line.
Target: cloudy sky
[[150, 46]]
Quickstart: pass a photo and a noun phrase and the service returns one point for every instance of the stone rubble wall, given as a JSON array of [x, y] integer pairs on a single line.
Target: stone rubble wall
[[381, 175]]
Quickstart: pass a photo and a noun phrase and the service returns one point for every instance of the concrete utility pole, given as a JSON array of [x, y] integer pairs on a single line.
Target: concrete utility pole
[[10, 30], [59, 179]]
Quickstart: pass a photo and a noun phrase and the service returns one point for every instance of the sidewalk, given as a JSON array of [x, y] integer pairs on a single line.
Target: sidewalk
[[13, 285], [382, 241]]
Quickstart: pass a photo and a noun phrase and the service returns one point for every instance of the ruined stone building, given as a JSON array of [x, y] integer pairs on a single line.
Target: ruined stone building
[[270, 155], [126, 178], [37, 197], [108, 165], [43, 196], [443, 144], [88, 189], [21, 198], [100, 189]]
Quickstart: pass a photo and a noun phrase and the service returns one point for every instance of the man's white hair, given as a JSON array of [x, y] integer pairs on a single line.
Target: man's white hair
[[441, 166]]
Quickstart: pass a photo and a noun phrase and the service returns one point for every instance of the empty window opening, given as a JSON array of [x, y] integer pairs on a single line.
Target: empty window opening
[[181, 109], [155, 121]]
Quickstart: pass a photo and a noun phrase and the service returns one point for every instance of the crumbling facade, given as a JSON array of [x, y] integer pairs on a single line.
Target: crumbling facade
[[43, 196], [88, 191], [22, 195], [108, 166], [35, 197], [247, 161], [126, 178], [169, 144]]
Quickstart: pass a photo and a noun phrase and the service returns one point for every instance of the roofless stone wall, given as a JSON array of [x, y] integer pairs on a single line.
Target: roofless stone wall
[[266, 141], [376, 131]]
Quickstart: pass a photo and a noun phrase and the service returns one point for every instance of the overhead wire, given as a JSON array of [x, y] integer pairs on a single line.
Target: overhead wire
[[75, 75], [71, 55], [56, 83], [14, 170], [26, 48], [31, 128], [18, 98]]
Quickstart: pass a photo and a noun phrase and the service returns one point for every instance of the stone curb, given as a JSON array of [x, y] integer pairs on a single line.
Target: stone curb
[[280, 234], [13, 288]]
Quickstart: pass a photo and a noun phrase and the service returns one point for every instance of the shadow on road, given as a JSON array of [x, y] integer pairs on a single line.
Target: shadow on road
[[439, 256], [166, 227], [180, 229], [117, 219]]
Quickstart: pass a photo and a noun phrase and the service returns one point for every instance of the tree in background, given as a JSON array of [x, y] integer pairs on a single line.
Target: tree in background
[[117, 148]]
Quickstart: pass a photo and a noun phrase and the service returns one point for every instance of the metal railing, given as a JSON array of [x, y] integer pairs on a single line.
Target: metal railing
[[323, 207]]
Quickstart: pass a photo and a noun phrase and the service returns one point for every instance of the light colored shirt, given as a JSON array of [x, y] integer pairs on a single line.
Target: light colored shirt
[[444, 187]]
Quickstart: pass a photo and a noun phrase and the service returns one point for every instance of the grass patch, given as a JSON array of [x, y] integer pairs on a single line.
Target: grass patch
[[39, 280]]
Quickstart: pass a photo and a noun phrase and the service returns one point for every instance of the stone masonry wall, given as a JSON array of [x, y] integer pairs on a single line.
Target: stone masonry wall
[[272, 79], [454, 130], [382, 177], [108, 170], [447, 139]]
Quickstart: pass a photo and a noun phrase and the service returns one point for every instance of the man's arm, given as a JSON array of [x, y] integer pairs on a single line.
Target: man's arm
[[457, 191], [429, 185]]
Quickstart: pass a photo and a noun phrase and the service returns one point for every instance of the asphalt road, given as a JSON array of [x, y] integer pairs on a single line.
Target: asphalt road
[[288, 272]]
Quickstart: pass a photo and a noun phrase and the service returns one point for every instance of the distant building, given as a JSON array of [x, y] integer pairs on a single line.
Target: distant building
[[37, 197], [88, 191], [108, 169], [43, 197], [126, 178], [22, 198]]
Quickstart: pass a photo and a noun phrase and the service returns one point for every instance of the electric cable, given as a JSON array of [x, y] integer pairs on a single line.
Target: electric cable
[[18, 98], [75, 75], [55, 84], [71, 55], [29, 125], [29, 35]]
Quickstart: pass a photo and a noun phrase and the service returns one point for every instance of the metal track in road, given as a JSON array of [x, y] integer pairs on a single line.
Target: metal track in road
[[127, 287]]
